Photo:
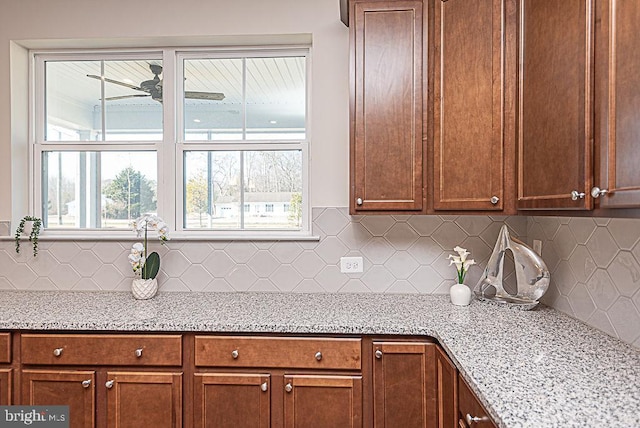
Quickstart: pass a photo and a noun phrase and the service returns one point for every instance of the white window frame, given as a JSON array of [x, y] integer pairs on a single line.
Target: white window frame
[[170, 150]]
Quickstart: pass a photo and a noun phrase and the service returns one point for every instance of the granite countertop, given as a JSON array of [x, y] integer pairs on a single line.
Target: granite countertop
[[536, 368]]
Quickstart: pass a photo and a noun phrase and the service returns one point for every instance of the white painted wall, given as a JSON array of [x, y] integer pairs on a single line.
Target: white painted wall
[[83, 23]]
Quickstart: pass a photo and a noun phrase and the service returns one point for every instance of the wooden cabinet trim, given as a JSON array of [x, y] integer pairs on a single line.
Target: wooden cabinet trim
[[469, 404], [284, 352], [6, 387], [104, 350], [5, 347]]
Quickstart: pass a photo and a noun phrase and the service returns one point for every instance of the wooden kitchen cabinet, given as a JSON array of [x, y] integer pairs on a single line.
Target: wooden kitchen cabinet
[[474, 105], [555, 162], [403, 384], [73, 388], [139, 399], [386, 124], [447, 390], [617, 105], [277, 382], [77, 370], [6, 378], [471, 413]]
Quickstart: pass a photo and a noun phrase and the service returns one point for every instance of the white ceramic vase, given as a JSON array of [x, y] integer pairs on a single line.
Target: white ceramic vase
[[460, 294], [144, 289]]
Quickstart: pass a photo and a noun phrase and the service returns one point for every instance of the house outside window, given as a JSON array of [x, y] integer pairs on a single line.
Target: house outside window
[[113, 130]]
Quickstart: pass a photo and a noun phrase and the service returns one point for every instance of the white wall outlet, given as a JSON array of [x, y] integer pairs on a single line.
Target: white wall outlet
[[351, 264], [537, 246]]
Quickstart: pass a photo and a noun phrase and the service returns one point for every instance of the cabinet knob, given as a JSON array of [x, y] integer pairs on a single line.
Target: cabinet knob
[[359, 201], [288, 387], [86, 383], [109, 384], [378, 354], [138, 352], [264, 386], [575, 195], [494, 200], [58, 351], [318, 355], [596, 192], [475, 419], [235, 354]]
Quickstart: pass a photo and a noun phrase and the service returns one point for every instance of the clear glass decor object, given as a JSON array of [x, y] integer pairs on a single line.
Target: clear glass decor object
[[532, 275]]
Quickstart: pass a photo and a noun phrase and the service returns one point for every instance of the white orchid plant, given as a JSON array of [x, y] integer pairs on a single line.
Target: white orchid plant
[[144, 264], [462, 262]]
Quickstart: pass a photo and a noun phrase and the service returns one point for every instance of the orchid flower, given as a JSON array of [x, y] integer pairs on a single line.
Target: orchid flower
[[139, 254]]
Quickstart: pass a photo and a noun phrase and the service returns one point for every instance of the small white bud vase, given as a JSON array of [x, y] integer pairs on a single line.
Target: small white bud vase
[[460, 294], [144, 289]]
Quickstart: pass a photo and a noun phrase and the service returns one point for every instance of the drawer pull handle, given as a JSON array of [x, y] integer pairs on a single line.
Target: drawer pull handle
[[264, 386], [58, 351], [288, 387], [494, 200], [139, 352], [109, 384], [596, 192], [86, 383], [318, 355], [378, 354], [235, 354], [475, 419], [575, 195]]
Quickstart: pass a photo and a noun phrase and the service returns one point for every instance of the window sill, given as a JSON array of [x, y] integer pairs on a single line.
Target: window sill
[[177, 237]]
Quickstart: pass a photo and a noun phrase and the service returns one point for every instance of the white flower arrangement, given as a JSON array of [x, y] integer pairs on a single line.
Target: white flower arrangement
[[145, 264], [462, 262]]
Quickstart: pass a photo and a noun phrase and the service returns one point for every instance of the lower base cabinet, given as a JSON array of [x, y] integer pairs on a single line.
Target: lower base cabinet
[[403, 385], [5, 387], [471, 413], [133, 399], [241, 381]]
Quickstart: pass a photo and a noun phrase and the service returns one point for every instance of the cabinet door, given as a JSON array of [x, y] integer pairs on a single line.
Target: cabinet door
[[232, 400], [322, 401], [471, 413], [447, 390], [474, 112], [555, 169], [618, 109], [402, 385], [386, 106], [5, 387], [75, 389], [144, 399]]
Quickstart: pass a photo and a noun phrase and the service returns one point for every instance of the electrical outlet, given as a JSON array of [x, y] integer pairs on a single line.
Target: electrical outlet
[[351, 264], [537, 246]]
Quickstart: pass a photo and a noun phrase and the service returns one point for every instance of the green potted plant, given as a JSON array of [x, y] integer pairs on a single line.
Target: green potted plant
[[29, 226]]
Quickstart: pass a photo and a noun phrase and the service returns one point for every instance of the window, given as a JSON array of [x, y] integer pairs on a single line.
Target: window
[[113, 129]]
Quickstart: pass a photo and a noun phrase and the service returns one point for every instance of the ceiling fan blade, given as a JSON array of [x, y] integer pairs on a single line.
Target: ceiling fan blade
[[116, 82], [122, 97], [196, 95]]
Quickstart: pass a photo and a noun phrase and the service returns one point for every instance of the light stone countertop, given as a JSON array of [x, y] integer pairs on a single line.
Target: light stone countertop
[[539, 368]]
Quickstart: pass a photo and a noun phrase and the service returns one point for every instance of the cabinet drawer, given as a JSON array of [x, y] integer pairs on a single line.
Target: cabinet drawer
[[471, 412], [5, 347], [98, 349], [278, 352]]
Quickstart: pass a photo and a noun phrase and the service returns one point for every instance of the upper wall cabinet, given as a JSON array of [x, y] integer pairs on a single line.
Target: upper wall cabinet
[[386, 74], [474, 111], [618, 105], [555, 165]]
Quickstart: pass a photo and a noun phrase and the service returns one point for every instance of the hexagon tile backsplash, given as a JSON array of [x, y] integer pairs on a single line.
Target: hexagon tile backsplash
[[595, 270], [595, 263]]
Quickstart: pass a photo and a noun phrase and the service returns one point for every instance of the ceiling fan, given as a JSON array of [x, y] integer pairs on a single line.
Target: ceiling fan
[[153, 88]]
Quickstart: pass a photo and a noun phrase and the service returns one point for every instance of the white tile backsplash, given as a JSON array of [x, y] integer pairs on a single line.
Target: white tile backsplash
[[595, 270], [594, 263]]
